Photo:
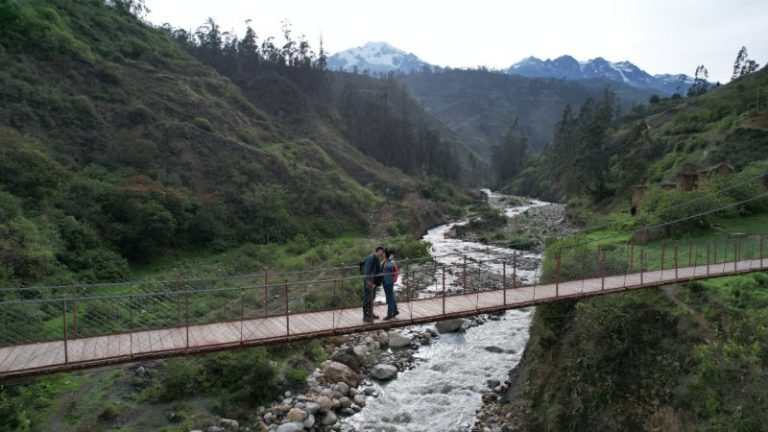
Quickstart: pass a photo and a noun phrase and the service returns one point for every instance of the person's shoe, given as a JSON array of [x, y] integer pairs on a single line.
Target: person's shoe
[[395, 314], [388, 317], [368, 319], [375, 316]]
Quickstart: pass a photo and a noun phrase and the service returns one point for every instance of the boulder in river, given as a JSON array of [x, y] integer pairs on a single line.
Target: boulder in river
[[339, 372], [398, 340], [449, 325], [329, 418], [384, 372], [291, 427], [494, 349], [348, 356]]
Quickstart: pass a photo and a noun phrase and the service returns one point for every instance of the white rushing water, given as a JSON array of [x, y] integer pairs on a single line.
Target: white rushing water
[[445, 388]]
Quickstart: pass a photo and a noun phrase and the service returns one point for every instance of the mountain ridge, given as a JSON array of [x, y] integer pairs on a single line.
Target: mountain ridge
[[382, 57]]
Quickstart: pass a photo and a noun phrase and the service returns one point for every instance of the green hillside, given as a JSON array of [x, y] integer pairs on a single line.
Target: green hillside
[[684, 357], [651, 143], [117, 146]]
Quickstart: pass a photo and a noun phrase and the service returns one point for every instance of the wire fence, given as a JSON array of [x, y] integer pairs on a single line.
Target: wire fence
[[425, 290]]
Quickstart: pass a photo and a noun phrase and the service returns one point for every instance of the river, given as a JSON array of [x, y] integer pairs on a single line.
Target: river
[[445, 388]]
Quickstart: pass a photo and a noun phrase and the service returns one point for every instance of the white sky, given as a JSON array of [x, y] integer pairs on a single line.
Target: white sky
[[660, 36]]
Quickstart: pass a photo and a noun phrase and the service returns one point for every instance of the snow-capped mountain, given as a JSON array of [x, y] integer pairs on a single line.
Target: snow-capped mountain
[[569, 68], [376, 57]]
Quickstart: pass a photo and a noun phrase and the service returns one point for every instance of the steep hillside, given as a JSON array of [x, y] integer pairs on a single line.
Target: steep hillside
[[652, 143], [480, 106], [117, 145]]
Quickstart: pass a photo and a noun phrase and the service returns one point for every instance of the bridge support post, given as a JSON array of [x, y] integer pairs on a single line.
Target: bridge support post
[[64, 328], [266, 292], [676, 249], [74, 308], [287, 314], [735, 253], [186, 312], [631, 258], [443, 290], [504, 281], [663, 247], [242, 313], [557, 275], [341, 287], [714, 253], [601, 260], [177, 288], [707, 257], [514, 270], [690, 252], [642, 266], [762, 241], [464, 275]]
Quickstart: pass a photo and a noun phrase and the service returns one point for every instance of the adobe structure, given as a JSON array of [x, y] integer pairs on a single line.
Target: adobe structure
[[687, 179]]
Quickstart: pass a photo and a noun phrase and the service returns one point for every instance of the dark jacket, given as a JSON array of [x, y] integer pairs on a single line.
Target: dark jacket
[[371, 268]]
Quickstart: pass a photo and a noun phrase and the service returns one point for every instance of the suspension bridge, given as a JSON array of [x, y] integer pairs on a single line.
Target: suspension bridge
[[66, 327]]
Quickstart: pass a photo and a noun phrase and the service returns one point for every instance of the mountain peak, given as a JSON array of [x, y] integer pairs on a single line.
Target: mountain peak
[[375, 57], [568, 67]]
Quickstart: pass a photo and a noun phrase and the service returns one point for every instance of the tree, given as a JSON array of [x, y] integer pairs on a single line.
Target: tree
[[743, 65], [511, 155], [700, 84]]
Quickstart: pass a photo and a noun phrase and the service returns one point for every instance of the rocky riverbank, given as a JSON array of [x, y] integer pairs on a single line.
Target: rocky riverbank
[[341, 385]]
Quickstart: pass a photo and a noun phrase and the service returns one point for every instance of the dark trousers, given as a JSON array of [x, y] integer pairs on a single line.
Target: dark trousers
[[389, 292], [368, 290]]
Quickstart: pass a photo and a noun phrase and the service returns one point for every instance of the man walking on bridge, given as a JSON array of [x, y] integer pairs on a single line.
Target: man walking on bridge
[[371, 270]]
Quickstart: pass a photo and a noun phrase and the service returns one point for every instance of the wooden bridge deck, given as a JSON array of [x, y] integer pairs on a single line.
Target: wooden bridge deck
[[59, 355]]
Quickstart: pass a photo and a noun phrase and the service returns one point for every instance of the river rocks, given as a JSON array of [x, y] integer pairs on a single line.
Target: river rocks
[[449, 326], [397, 340], [228, 423], [309, 421], [296, 415], [384, 372], [325, 403], [343, 388], [350, 357], [291, 427], [493, 383], [312, 407], [494, 349], [345, 402], [359, 400], [329, 418], [339, 372]]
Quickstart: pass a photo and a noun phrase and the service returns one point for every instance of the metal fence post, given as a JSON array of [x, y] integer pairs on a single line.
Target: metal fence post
[[676, 250], [762, 237], [266, 292], [74, 307], [690, 251], [707, 257], [64, 328], [464, 275], [287, 314], [602, 269], [443, 290], [557, 275], [341, 287], [735, 253], [177, 289], [186, 311], [242, 312], [642, 265], [504, 281], [714, 253], [631, 258], [663, 247], [514, 270]]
